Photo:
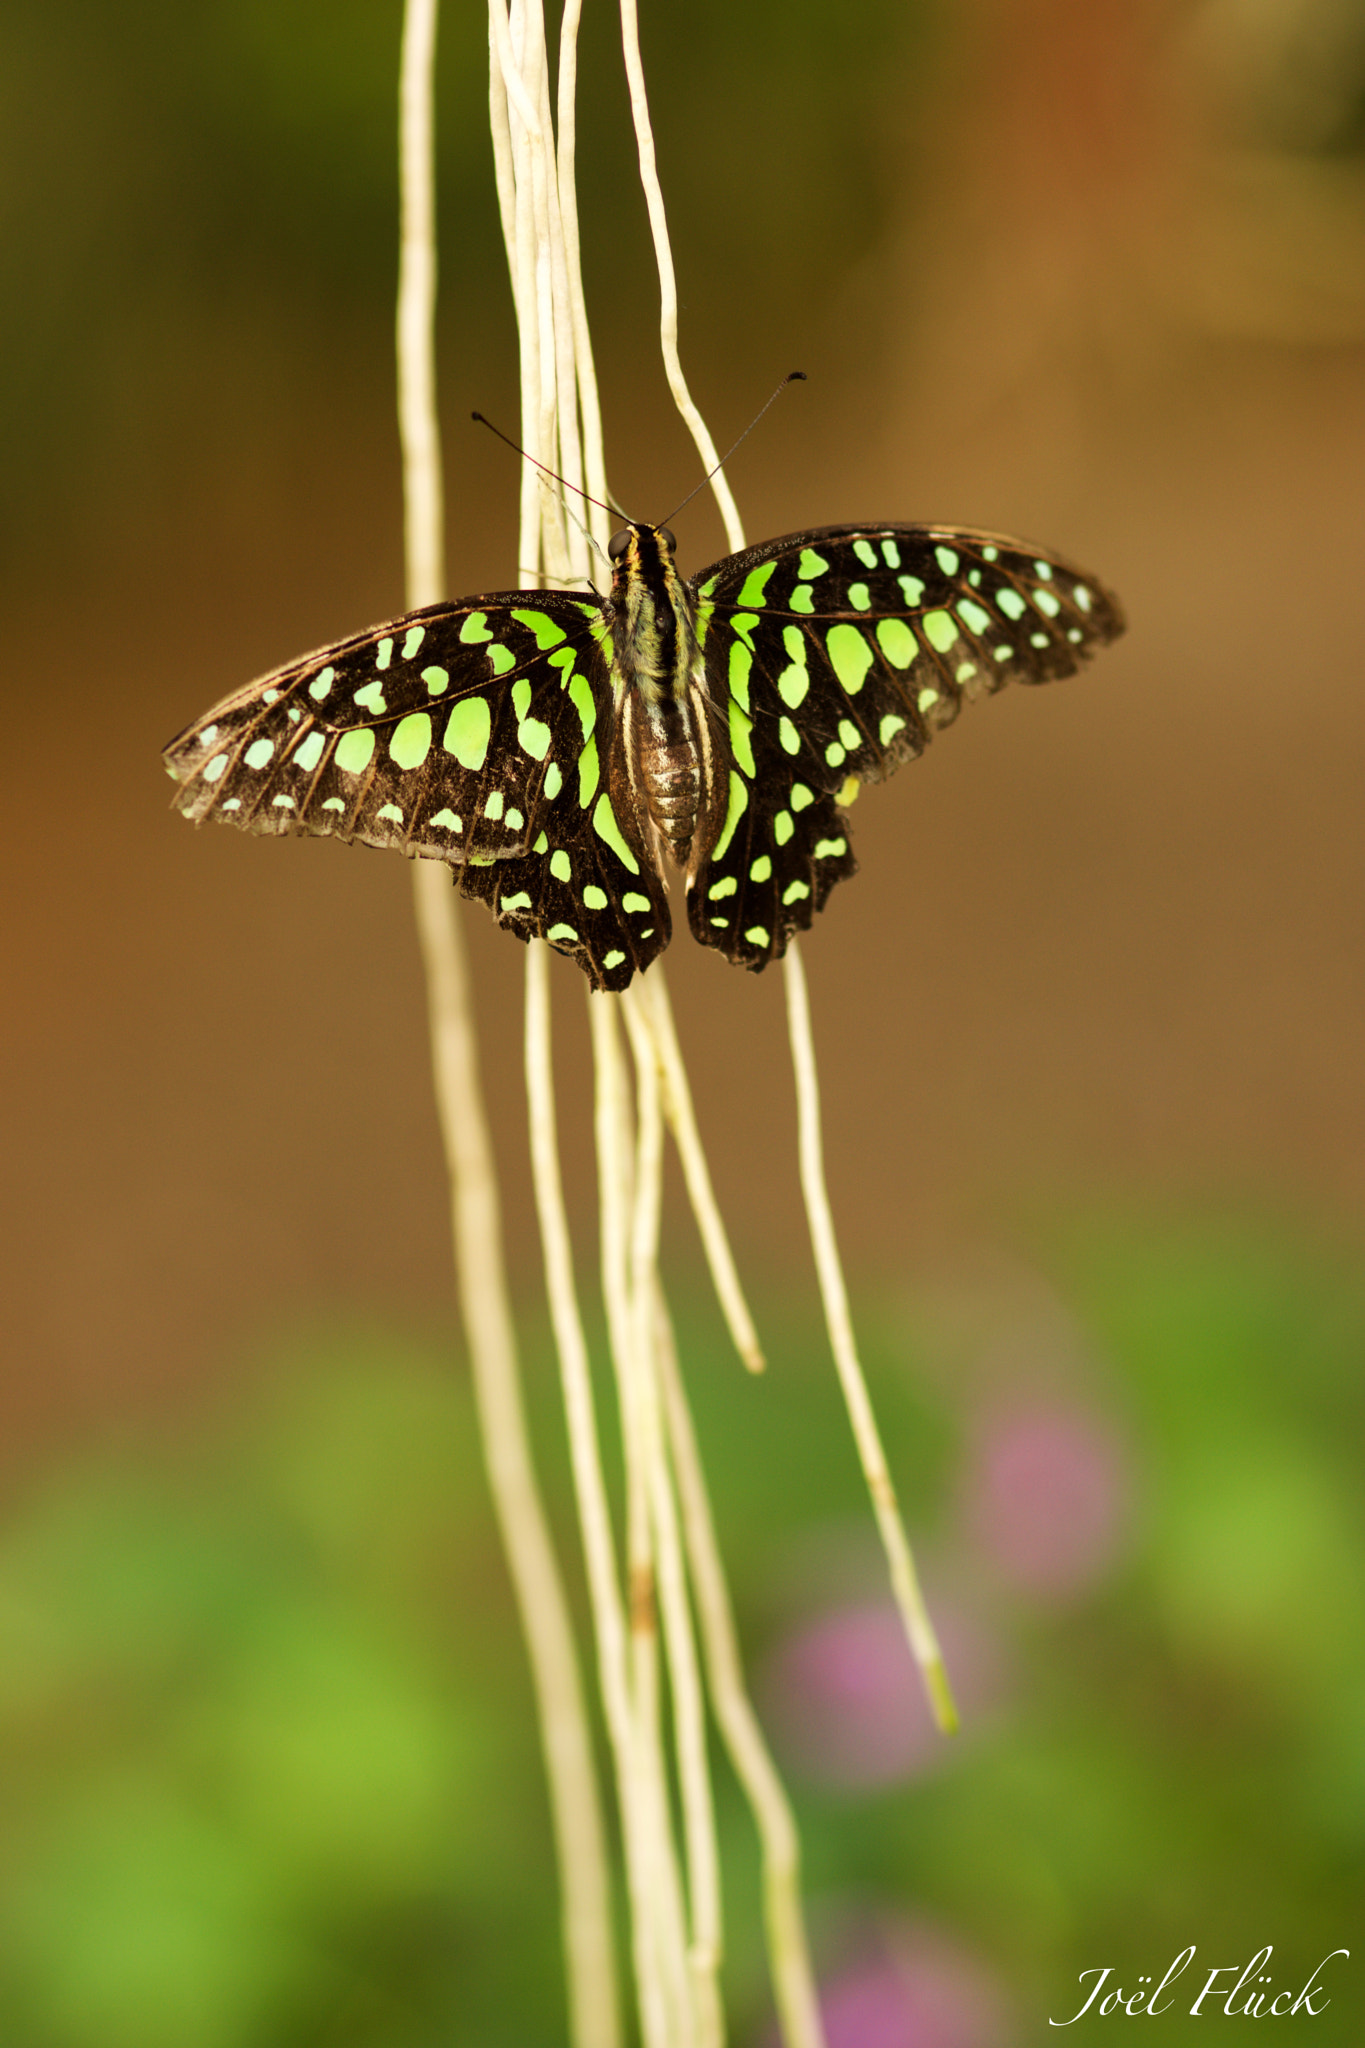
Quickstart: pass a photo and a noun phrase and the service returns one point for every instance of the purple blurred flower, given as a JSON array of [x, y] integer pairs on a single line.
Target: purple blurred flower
[[846, 1700], [911, 1988], [1044, 1495]]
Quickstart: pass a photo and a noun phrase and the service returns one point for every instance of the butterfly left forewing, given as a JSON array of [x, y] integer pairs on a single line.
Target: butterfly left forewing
[[433, 734]]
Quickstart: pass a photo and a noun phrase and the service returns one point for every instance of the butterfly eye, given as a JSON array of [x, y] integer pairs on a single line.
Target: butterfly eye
[[618, 544], [666, 536]]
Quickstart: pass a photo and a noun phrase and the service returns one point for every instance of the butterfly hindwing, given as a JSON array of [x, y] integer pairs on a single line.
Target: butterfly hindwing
[[835, 655], [587, 882]]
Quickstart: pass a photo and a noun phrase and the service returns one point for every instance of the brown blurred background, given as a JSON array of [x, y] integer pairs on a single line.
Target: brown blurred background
[[1088, 270]]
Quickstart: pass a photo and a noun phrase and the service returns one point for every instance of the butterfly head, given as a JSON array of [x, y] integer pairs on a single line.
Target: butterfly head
[[640, 550]]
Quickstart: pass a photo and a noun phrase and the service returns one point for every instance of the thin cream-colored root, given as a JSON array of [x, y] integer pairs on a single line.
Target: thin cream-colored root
[[789, 1954], [589, 404], [704, 1951], [574, 1799], [615, 1177], [668, 286], [418, 424], [649, 994], [541, 1598], [904, 1578], [642, 1430]]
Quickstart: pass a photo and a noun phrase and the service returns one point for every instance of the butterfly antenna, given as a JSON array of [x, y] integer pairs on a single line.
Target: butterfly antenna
[[553, 474], [792, 377]]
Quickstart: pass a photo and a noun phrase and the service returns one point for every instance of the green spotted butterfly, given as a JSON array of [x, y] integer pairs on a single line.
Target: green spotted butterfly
[[555, 746]]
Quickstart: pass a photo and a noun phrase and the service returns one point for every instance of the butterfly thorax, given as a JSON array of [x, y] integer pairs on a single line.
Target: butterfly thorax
[[659, 686]]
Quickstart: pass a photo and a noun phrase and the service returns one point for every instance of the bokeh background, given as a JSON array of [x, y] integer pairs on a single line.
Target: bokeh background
[[1090, 1022]]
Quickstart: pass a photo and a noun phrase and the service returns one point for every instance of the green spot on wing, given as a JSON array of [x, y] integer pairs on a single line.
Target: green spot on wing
[[741, 661], [851, 656], [755, 583], [474, 629], [548, 631], [897, 642], [741, 725], [595, 898], [355, 750], [582, 697], [811, 564], [411, 742], [467, 731], [589, 774], [940, 629], [739, 797], [560, 865], [605, 826]]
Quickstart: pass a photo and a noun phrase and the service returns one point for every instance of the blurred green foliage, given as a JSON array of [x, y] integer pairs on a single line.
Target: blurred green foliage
[[271, 1771], [200, 211]]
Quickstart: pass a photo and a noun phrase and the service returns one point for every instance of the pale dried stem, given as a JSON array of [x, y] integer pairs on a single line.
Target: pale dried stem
[[476, 1228], [588, 402], [650, 996], [669, 1565], [642, 1432], [418, 423], [793, 1979], [904, 1579], [614, 1177], [668, 287]]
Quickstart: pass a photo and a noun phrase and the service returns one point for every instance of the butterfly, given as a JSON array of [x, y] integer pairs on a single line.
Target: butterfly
[[561, 750]]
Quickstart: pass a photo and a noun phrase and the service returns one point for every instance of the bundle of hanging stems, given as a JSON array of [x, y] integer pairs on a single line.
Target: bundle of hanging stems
[[664, 1574]]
